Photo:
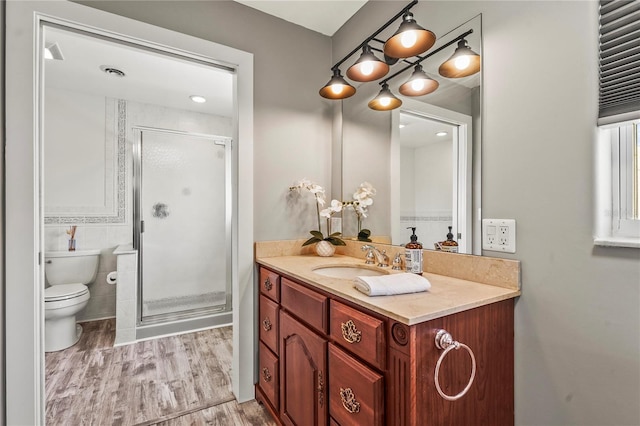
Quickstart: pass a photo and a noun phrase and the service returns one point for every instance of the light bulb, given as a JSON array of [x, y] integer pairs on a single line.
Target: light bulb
[[417, 85], [337, 88], [385, 101], [408, 39], [462, 62], [366, 68]]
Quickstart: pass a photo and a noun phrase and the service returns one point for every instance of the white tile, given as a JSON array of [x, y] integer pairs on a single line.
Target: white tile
[[93, 237], [119, 234]]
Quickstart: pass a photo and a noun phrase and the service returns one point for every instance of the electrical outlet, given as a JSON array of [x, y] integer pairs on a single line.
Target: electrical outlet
[[499, 235]]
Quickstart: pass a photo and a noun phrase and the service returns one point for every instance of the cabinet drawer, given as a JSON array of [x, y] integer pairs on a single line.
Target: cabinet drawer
[[356, 392], [359, 333], [269, 323], [268, 376], [306, 304], [270, 284]]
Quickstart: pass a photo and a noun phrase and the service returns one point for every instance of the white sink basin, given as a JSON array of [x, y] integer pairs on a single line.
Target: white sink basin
[[349, 271]]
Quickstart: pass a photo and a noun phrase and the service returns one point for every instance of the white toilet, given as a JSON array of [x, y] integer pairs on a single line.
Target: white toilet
[[67, 273]]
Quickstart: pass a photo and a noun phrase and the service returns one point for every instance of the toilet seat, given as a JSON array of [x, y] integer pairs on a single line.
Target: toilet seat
[[57, 293]]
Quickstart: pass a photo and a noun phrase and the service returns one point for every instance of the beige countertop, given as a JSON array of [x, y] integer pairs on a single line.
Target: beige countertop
[[447, 295]]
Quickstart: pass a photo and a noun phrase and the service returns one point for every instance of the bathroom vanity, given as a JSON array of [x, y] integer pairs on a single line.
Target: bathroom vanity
[[329, 354]]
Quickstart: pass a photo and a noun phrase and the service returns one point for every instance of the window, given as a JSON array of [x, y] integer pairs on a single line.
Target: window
[[618, 150], [618, 189]]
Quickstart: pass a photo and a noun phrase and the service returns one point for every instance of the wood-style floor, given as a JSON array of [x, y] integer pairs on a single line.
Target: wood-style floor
[[173, 381]]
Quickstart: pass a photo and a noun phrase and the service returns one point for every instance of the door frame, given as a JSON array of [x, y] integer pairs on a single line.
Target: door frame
[[462, 168], [24, 215]]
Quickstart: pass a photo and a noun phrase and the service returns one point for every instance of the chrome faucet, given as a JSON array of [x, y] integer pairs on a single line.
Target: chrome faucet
[[373, 255]]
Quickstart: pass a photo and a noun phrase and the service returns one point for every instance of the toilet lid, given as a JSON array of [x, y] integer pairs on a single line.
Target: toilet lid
[[64, 291]]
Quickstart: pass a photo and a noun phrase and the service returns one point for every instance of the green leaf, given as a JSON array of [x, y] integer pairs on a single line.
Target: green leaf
[[335, 234], [317, 234], [335, 241], [363, 235], [311, 240]]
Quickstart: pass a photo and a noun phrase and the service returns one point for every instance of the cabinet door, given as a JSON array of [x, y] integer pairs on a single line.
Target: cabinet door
[[268, 375], [269, 323], [270, 284], [359, 333], [303, 361], [356, 392]]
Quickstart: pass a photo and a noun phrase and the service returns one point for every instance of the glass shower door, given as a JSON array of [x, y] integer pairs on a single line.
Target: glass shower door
[[184, 221]]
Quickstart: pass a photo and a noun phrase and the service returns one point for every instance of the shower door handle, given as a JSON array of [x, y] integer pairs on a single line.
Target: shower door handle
[[141, 226]]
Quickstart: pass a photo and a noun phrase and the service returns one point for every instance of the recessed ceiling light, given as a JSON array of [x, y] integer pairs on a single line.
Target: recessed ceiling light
[[442, 134], [198, 99]]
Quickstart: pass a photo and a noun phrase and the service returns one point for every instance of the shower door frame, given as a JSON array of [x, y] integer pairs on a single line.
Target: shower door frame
[[138, 225]]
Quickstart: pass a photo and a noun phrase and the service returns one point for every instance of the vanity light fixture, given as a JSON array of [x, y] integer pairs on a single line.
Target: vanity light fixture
[[368, 67], [408, 89], [337, 87], [419, 83], [464, 62], [385, 101], [198, 99], [410, 40]]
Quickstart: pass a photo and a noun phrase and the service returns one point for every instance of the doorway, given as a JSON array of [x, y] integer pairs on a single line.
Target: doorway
[[25, 209]]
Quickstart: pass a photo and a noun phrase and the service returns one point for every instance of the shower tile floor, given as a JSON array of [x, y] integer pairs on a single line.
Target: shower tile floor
[[171, 381]]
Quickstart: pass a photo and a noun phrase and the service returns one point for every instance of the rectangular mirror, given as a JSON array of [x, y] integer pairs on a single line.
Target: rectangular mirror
[[422, 180]]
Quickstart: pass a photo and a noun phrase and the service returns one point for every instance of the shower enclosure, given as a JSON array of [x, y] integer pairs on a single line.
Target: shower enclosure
[[182, 225]]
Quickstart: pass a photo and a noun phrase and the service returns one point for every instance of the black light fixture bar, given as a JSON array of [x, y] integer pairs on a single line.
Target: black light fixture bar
[[382, 51], [378, 31], [422, 58]]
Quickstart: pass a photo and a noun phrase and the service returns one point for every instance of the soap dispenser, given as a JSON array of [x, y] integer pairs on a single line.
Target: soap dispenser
[[449, 244], [413, 254]]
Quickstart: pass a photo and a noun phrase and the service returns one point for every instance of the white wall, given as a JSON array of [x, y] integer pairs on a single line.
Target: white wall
[[577, 346], [292, 126], [427, 196]]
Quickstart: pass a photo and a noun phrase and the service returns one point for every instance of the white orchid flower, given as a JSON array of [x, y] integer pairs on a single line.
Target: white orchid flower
[[336, 206]]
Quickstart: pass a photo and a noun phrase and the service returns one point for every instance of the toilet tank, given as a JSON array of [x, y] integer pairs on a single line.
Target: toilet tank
[[70, 267]]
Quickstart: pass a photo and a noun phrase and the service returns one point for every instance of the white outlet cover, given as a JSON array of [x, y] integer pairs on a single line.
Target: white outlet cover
[[499, 235]]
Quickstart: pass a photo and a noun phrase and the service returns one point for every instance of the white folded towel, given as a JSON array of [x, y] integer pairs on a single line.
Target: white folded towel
[[386, 285]]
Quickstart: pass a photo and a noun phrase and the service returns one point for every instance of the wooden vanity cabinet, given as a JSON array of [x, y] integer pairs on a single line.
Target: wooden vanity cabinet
[[339, 364]]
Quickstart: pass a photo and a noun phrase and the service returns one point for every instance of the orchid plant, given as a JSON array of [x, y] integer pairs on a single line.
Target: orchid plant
[[362, 199], [319, 195]]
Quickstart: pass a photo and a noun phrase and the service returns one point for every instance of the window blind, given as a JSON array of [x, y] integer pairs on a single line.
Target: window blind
[[619, 61]]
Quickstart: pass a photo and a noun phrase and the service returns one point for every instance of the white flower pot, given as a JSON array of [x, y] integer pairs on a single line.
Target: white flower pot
[[325, 248]]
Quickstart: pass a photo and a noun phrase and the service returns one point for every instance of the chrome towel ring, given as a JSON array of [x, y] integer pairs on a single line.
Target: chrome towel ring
[[446, 342]]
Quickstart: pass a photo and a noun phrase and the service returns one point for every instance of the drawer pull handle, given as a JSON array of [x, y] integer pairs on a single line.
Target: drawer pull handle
[[350, 333], [267, 284], [266, 375], [266, 324], [446, 342], [349, 400]]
